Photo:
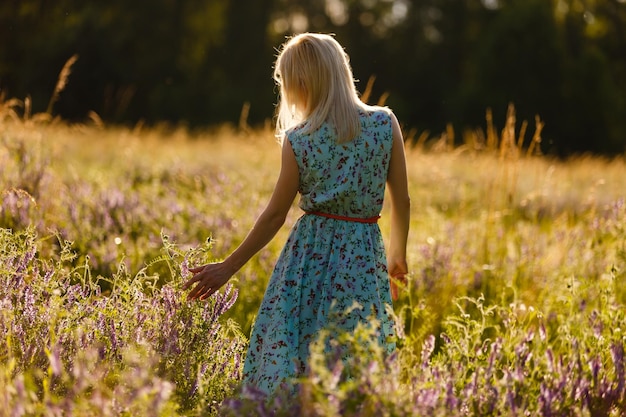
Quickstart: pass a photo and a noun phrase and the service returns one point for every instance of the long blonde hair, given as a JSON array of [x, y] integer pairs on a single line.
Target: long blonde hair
[[316, 85]]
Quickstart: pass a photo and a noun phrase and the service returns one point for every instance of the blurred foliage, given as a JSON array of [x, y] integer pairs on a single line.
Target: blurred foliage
[[514, 303], [437, 61]]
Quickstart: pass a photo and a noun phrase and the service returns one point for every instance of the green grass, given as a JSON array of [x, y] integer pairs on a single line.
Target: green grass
[[515, 300]]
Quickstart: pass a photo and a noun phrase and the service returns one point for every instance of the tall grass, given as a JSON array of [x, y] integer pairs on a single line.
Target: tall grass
[[140, 349], [514, 304]]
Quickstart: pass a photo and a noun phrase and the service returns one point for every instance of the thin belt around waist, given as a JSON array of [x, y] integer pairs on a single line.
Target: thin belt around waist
[[346, 218]]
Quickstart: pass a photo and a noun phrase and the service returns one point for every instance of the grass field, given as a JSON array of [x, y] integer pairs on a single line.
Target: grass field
[[515, 303]]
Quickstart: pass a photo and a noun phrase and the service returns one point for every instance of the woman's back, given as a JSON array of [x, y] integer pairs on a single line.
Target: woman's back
[[346, 179]]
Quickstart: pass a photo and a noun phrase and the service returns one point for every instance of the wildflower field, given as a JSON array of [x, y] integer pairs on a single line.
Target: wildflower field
[[515, 304]]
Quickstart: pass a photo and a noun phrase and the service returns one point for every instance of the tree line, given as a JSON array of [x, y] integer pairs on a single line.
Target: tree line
[[435, 62]]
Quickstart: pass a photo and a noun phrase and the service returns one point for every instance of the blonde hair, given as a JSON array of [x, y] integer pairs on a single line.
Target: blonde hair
[[316, 86]]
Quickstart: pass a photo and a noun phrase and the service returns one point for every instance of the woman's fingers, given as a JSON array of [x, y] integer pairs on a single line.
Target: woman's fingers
[[206, 294], [204, 288], [397, 281], [199, 292], [400, 278], [207, 279], [190, 282], [197, 276]]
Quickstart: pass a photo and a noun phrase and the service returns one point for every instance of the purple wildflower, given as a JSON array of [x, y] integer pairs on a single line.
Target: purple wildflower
[[543, 334], [617, 354], [427, 349], [55, 361], [452, 402]]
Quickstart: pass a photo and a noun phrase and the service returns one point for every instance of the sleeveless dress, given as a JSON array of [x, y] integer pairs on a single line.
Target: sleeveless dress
[[327, 264]]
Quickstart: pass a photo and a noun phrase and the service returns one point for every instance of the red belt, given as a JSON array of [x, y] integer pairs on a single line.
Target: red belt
[[346, 218]]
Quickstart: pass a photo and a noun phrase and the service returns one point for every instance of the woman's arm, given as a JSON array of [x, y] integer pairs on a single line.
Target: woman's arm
[[397, 184], [211, 277]]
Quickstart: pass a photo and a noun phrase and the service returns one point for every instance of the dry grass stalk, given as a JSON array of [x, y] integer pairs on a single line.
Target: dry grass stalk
[[96, 119], [383, 99], [492, 136], [420, 141], [368, 89], [243, 117], [536, 141], [522, 133], [61, 81], [7, 108], [450, 136], [28, 108], [508, 146], [367, 94]]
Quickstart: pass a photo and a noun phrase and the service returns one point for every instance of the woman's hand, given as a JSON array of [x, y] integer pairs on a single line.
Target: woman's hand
[[397, 276], [209, 278]]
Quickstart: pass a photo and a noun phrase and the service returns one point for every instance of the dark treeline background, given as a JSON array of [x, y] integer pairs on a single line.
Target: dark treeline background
[[440, 61]]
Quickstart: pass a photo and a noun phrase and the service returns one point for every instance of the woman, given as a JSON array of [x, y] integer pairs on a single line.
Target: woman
[[340, 155]]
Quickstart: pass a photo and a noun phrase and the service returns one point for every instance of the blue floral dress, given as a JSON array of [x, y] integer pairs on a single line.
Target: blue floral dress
[[327, 264]]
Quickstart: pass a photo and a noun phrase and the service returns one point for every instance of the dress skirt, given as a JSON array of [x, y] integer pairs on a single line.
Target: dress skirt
[[326, 266]]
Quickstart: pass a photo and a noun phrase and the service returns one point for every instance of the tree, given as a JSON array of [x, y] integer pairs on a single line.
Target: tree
[[440, 61]]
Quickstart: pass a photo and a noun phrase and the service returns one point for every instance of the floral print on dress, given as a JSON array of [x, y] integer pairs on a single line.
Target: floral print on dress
[[327, 265]]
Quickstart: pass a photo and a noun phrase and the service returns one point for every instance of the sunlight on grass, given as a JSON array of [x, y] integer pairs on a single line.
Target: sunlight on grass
[[517, 275]]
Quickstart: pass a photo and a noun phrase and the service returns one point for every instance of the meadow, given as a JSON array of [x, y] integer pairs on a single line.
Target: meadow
[[514, 305]]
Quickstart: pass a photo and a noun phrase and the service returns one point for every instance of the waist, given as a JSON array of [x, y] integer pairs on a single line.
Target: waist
[[345, 218]]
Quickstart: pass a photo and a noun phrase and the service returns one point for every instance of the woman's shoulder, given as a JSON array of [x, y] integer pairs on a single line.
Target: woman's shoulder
[[375, 112], [295, 131], [375, 115], [302, 134]]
